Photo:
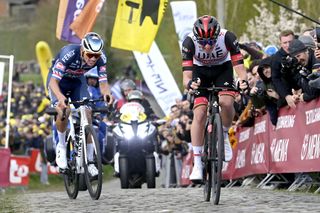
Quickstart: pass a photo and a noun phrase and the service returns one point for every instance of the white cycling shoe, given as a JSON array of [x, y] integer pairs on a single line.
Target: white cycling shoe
[[93, 170], [196, 174], [227, 149], [61, 156]]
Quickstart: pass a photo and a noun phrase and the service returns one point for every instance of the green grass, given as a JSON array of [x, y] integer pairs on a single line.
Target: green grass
[[56, 183]]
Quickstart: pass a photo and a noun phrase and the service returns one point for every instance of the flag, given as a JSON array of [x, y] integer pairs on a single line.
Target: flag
[[68, 12], [184, 15], [137, 23], [158, 77], [85, 21]]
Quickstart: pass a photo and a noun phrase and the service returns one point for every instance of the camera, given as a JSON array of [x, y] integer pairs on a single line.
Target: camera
[[289, 62], [261, 88], [317, 34]]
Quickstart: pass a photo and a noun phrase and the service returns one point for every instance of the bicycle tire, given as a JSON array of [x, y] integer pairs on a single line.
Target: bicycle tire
[[94, 185], [71, 178], [218, 154], [207, 174]]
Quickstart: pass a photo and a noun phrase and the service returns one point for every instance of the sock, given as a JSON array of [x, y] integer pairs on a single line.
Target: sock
[[225, 133], [197, 153], [90, 151], [62, 137]]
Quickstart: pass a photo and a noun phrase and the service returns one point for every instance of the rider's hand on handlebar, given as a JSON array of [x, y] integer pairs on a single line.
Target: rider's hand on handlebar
[[194, 84]]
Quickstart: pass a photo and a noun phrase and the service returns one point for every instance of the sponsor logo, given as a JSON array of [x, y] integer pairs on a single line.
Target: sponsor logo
[[60, 66], [67, 56], [312, 116], [279, 150], [241, 159], [257, 153], [244, 135], [311, 147], [286, 121], [259, 127]]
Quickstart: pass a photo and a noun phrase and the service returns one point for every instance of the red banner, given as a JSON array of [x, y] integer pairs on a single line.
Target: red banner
[[295, 144], [19, 170], [292, 146], [4, 167], [35, 163]]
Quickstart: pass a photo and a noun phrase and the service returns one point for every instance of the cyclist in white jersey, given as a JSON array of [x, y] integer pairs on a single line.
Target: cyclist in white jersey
[[209, 56]]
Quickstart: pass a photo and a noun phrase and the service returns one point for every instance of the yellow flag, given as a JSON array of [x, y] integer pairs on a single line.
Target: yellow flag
[[44, 57], [137, 23]]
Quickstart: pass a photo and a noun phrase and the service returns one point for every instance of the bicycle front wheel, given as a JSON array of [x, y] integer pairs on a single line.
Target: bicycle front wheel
[[71, 178], [217, 151], [207, 173], [94, 183]]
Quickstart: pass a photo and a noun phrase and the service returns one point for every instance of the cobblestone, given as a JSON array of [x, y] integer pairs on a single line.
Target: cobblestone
[[114, 199]]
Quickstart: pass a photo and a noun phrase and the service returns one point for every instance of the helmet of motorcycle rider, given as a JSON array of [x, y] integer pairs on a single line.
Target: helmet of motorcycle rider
[[206, 29], [92, 43], [126, 86], [135, 95], [92, 74]]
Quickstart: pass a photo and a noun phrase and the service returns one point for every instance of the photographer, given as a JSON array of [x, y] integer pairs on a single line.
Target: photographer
[[298, 66], [282, 86]]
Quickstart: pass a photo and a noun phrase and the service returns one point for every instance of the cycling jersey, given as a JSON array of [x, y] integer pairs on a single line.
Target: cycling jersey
[[69, 63], [225, 49]]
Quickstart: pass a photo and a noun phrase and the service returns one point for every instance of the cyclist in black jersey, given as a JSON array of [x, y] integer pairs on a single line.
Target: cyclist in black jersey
[[209, 56]]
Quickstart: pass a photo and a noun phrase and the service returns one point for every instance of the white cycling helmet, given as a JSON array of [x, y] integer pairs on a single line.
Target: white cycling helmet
[[92, 42]]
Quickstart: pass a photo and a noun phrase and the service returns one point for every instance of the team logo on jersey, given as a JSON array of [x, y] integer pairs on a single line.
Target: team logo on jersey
[[60, 66], [103, 68]]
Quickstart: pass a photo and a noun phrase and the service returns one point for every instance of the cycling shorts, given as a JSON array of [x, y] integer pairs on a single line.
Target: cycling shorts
[[218, 75], [74, 88]]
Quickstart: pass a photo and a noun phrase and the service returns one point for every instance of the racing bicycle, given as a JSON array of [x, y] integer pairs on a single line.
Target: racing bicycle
[[213, 145], [80, 133]]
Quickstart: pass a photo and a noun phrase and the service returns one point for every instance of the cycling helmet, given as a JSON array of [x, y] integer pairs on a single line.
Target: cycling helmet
[[135, 95], [92, 42], [127, 84], [206, 27]]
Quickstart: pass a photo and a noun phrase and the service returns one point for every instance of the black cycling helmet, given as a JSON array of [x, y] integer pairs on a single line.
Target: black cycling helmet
[[206, 27], [92, 42]]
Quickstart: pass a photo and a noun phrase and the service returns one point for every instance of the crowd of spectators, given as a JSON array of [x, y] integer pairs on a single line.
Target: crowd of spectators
[[29, 126]]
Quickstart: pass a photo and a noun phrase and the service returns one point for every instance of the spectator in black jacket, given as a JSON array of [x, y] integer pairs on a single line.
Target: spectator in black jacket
[[282, 86], [303, 62]]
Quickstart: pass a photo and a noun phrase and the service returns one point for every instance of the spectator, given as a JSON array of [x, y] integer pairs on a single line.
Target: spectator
[[282, 86]]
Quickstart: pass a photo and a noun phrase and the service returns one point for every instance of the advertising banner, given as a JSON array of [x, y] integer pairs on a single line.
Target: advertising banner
[[184, 15], [2, 65], [137, 23], [35, 163], [295, 143], [4, 167], [158, 77], [19, 170]]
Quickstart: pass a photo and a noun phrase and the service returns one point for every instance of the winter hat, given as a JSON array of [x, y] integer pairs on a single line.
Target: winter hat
[[296, 47], [308, 41]]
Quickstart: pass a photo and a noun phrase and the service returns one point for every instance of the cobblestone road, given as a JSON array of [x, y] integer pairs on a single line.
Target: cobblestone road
[[113, 199]]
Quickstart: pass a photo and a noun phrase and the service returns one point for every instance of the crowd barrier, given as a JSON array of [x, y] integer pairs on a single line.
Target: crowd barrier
[[15, 169], [293, 146]]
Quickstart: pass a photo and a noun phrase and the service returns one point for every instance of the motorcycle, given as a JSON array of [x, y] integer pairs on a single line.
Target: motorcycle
[[136, 160]]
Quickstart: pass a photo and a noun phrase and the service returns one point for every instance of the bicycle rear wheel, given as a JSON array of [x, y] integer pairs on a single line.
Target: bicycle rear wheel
[[218, 153], [71, 178], [207, 174], [94, 184]]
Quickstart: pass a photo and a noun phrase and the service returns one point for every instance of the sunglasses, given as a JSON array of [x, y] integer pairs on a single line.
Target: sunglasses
[[205, 41], [91, 55]]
